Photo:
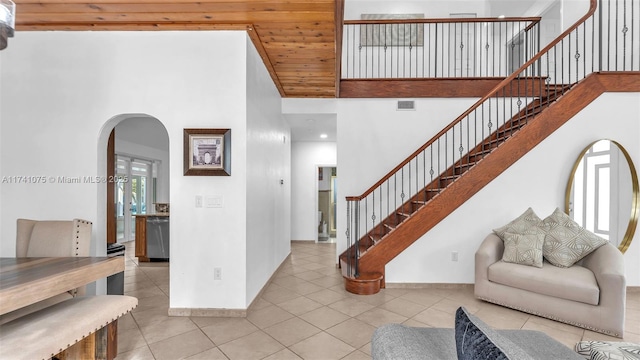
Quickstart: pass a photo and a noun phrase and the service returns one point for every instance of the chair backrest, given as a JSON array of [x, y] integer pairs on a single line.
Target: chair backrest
[[54, 238]]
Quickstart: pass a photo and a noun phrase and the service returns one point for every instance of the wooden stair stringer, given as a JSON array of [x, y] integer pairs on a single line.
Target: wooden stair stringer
[[524, 140]]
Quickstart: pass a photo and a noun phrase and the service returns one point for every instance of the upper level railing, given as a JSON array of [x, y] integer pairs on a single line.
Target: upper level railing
[[603, 40], [437, 48]]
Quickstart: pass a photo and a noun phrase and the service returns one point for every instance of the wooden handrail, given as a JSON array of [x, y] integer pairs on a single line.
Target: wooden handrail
[[592, 8], [441, 21]]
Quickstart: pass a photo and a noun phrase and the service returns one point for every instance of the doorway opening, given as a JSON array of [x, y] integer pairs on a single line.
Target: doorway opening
[[136, 190], [327, 199]]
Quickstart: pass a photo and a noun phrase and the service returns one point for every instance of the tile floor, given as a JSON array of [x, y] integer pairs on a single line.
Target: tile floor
[[305, 313]]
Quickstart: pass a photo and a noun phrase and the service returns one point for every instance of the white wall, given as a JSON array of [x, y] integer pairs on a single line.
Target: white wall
[[57, 115], [305, 159], [538, 180], [268, 177]]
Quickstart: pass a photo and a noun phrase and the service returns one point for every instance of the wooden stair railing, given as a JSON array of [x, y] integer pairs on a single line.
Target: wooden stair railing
[[500, 128]]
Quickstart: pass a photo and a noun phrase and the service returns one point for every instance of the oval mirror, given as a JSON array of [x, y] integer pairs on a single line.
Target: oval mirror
[[602, 193]]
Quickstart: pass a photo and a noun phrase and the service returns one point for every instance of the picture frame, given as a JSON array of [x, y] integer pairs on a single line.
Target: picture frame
[[207, 152]]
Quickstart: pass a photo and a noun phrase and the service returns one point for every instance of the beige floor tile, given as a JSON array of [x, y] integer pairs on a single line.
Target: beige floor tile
[[351, 307], [321, 346], [284, 354], [291, 331], [211, 354], [378, 299], [325, 296], [268, 316], [276, 294], [152, 302], [357, 355], [150, 316], [127, 322], [451, 306], [324, 317], [556, 325], [305, 288], [257, 345], [165, 329], [141, 353], [259, 304], [130, 339], [327, 282], [379, 316], [422, 297], [436, 318], [300, 305], [569, 339], [309, 275], [181, 346], [353, 332], [366, 349], [403, 307], [223, 330], [146, 292]]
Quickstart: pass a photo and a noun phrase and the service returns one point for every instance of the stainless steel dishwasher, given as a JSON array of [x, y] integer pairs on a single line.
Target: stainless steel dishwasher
[[158, 237]]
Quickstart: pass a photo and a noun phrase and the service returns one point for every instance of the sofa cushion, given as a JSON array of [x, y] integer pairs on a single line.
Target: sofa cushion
[[523, 249], [518, 225], [397, 341], [576, 283], [567, 242], [476, 340]]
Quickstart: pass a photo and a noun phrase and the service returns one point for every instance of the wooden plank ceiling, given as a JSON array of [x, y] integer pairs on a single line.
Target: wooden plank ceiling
[[296, 38]]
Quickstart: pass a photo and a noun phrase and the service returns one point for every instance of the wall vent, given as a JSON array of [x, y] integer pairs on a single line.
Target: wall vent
[[406, 105]]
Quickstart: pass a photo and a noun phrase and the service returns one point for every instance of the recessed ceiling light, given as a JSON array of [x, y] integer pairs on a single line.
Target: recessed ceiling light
[[323, 136]]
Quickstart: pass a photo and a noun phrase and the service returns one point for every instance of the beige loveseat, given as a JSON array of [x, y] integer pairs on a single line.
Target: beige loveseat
[[590, 294]]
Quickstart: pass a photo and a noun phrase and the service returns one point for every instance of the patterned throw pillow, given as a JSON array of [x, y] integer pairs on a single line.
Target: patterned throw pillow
[[524, 249], [520, 224], [608, 350], [566, 241]]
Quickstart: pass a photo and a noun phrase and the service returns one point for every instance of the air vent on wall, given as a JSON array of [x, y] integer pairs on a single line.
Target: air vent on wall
[[406, 105]]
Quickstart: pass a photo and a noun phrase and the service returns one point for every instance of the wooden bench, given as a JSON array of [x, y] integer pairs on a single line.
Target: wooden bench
[[86, 322]]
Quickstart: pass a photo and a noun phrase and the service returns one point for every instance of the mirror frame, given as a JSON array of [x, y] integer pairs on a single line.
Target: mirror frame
[[635, 203]]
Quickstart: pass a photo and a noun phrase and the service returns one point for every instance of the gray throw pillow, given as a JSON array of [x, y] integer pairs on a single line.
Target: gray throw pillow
[[475, 340], [524, 249], [520, 224], [567, 242]]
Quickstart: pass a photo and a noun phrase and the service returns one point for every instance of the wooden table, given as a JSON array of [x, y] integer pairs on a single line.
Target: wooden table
[[25, 281]]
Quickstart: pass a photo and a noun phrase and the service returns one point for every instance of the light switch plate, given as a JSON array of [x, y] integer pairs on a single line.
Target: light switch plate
[[213, 201], [198, 201]]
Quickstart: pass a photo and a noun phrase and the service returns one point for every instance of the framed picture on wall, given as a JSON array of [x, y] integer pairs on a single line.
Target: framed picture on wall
[[207, 152]]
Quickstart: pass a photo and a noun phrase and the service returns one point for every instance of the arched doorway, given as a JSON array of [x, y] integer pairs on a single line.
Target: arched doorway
[[133, 154]]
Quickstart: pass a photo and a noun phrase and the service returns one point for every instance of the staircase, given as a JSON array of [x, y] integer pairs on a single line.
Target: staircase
[[494, 133]]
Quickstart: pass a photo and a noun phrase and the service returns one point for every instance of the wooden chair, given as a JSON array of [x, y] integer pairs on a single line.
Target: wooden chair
[[50, 238]]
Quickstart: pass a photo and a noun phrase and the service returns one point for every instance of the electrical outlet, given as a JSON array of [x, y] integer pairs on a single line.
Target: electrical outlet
[[217, 273], [454, 256]]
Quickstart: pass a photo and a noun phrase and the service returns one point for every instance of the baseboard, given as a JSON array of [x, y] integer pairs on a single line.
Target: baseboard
[[633, 289], [205, 312], [427, 286]]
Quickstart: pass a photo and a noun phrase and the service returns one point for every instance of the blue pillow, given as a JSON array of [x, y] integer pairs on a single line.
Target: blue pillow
[[475, 340]]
